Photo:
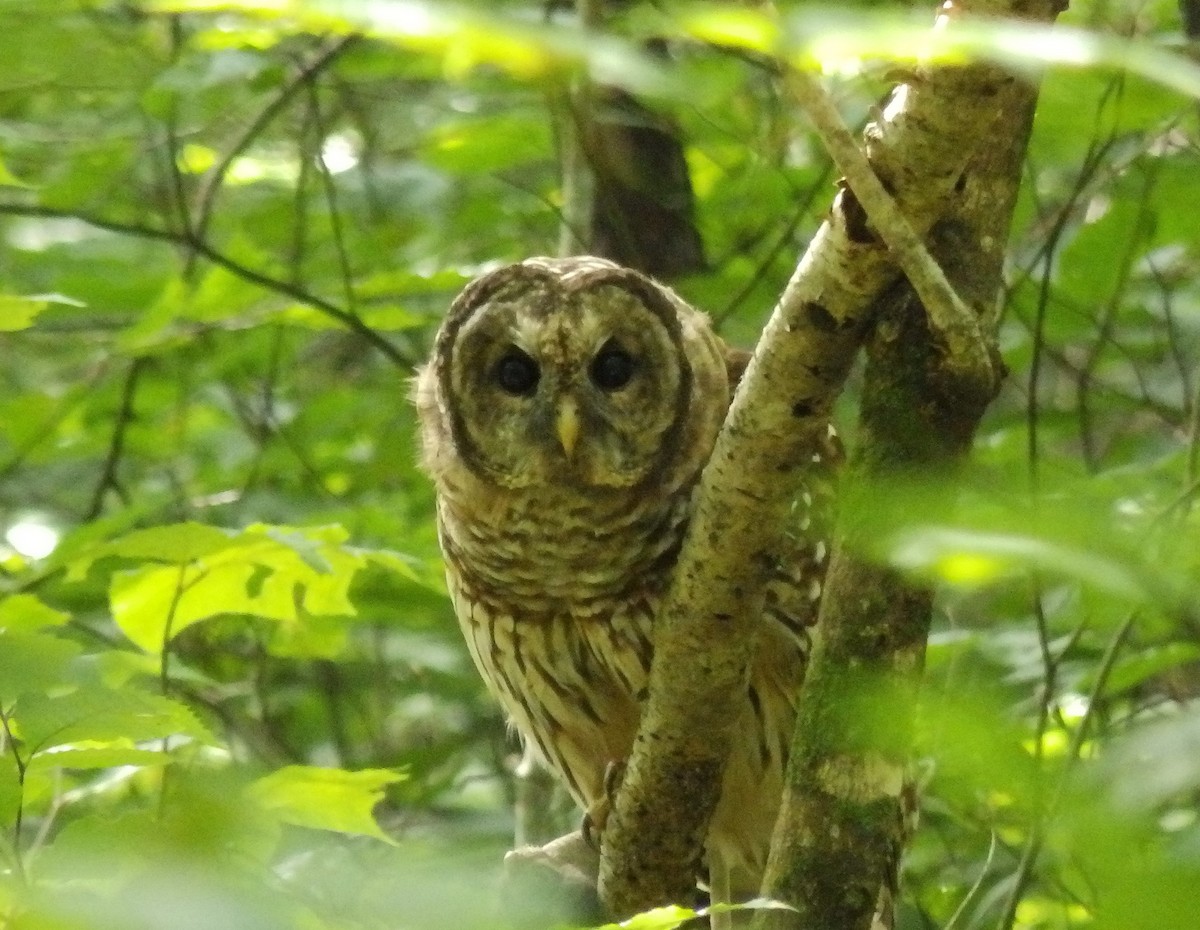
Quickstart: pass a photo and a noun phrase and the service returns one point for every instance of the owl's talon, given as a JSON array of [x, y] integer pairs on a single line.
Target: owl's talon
[[591, 835], [614, 774]]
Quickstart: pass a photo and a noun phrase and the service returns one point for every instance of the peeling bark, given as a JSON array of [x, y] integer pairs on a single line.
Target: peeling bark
[[920, 148]]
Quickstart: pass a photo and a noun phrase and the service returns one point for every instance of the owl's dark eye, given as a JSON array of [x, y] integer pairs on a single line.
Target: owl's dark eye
[[612, 368], [516, 373]]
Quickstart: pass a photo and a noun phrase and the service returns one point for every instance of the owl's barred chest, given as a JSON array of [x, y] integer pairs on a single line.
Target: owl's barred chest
[[557, 602], [538, 557]]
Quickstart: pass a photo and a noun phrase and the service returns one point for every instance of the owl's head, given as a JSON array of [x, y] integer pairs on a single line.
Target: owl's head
[[571, 372]]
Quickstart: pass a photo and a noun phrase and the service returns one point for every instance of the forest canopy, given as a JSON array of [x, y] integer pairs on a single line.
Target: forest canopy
[[232, 691]]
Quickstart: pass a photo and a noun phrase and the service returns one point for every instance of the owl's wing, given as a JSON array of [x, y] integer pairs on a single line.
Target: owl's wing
[[794, 591], [736, 361]]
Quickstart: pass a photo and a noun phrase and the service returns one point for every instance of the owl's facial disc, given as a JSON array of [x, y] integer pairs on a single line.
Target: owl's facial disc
[[584, 391]]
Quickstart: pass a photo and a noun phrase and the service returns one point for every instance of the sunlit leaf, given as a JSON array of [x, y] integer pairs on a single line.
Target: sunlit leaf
[[966, 557], [326, 799], [31, 662], [25, 613], [660, 918], [731, 26], [92, 713], [21, 312], [98, 756]]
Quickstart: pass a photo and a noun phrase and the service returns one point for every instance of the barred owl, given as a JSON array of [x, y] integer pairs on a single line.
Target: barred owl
[[566, 414]]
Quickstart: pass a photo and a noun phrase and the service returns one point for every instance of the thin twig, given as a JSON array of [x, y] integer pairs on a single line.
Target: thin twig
[[10, 741], [1074, 751], [108, 475], [330, 191], [973, 891], [345, 317], [786, 238], [214, 178]]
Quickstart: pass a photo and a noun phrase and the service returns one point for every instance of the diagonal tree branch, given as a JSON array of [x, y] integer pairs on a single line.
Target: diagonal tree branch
[[842, 826], [214, 178], [919, 148], [345, 317], [953, 320]]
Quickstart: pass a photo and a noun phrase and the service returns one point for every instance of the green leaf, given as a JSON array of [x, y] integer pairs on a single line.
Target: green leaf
[[1133, 669], [326, 799], [10, 788], [32, 662], [490, 143], [178, 543], [972, 558], [659, 918], [96, 714], [314, 637], [19, 312], [8, 179], [276, 573], [25, 613], [100, 756]]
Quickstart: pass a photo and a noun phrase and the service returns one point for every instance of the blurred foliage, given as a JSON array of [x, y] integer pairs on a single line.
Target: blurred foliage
[[231, 689]]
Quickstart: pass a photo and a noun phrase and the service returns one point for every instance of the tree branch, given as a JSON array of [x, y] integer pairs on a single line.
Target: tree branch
[[954, 321], [841, 828], [214, 178], [108, 476], [919, 148], [345, 317]]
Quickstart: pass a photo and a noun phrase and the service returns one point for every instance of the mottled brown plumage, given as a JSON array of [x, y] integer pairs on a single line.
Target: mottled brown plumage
[[566, 414]]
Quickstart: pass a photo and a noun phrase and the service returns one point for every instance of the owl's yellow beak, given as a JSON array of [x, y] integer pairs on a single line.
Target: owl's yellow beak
[[567, 426]]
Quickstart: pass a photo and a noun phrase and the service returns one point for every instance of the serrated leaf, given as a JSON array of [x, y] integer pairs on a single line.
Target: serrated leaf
[[326, 799], [25, 613], [32, 662], [97, 757], [97, 714], [275, 573], [177, 543]]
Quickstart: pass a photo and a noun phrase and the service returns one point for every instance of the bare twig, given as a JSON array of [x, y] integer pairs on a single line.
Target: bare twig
[[329, 189], [214, 178], [108, 476], [1033, 847], [345, 317]]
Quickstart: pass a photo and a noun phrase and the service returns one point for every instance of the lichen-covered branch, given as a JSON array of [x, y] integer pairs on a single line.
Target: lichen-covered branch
[[919, 149], [841, 828], [954, 322]]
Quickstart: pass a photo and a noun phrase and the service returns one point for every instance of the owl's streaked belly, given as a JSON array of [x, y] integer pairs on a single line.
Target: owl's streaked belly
[[558, 615]]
